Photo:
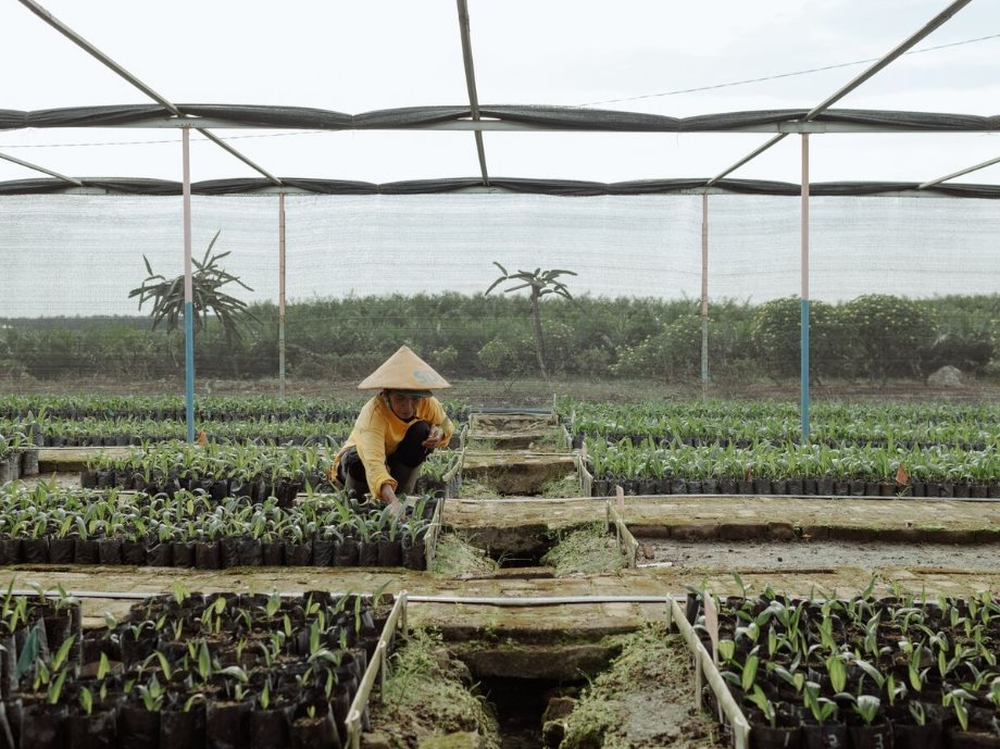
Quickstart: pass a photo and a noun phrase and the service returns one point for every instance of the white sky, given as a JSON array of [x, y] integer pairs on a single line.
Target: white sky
[[359, 56]]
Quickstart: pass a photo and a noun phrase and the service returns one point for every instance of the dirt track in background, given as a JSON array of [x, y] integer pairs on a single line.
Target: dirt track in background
[[790, 555], [521, 391]]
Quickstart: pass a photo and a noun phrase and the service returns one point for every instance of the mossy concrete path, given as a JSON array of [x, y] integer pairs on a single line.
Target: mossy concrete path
[[513, 453], [74, 459], [517, 472], [476, 610], [739, 517]]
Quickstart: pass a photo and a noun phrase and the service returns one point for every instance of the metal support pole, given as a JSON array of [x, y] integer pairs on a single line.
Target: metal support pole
[[281, 294], [704, 296], [188, 290], [804, 340]]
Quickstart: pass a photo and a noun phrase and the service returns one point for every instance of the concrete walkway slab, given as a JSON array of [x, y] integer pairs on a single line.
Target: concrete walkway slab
[[584, 620], [721, 516]]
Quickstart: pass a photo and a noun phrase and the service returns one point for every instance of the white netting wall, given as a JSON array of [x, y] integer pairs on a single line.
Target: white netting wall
[[80, 255]]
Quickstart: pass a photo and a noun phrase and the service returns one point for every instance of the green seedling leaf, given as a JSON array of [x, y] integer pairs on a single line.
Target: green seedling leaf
[[55, 690], [235, 672], [86, 700], [204, 662], [727, 649], [29, 653], [63, 652], [196, 697], [750, 672], [164, 665], [758, 698], [837, 670]]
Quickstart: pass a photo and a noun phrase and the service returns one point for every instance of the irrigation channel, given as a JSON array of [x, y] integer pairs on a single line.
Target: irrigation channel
[[535, 629]]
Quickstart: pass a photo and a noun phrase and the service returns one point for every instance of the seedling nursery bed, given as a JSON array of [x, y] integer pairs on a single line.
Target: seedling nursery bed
[[861, 672], [194, 670], [51, 525]]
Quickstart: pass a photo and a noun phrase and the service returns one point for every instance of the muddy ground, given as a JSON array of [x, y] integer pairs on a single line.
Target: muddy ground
[[810, 555], [644, 700], [524, 391]]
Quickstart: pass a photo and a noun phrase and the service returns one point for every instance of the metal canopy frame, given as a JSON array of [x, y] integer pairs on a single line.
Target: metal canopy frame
[[470, 83], [939, 20], [476, 123], [804, 125], [78, 40], [42, 169]]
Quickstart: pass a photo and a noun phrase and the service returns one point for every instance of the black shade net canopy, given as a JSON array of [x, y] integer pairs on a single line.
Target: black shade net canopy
[[572, 98]]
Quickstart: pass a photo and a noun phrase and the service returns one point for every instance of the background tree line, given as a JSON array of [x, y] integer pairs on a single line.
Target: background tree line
[[494, 336]]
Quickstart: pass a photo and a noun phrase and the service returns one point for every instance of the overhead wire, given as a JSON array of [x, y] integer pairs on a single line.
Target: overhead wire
[[778, 76]]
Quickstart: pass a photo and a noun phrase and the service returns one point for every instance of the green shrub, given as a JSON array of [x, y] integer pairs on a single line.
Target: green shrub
[[886, 334], [776, 336], [471, 336], [674, 354], [499, 358]]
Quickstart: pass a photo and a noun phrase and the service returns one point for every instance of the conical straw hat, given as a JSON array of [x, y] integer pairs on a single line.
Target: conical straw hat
[[404, 370]]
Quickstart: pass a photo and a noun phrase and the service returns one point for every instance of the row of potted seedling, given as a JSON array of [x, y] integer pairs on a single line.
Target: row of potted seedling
[[254, 471], [859, 672], [793, 469], [190, 529], [18, 456], [745, 423], [206, 408], [220, 471], [193, 670], [121, 432]]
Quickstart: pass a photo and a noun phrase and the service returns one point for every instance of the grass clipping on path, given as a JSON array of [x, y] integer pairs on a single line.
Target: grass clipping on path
[[566, 486], [477, 489], [645, 699], [587, 551], [429, 693], [455, 557]]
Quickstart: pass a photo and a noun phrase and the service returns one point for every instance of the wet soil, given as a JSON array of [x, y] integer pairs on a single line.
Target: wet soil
[[520, 705], [811, 555], [645, 699], [430, 694]]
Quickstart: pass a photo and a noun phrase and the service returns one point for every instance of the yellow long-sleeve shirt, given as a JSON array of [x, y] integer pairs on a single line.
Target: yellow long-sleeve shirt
[[378, 431]]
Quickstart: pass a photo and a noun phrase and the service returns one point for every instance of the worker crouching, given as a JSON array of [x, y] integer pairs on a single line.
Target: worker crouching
[[395, 432]]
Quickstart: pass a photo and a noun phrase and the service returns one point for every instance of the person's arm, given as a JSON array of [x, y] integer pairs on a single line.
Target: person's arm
[[371, 450], [441, 427], [387, 494]]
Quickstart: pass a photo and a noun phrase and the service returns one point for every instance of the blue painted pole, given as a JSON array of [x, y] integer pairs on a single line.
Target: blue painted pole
[[804, 346], [188, 290], [804, 323]]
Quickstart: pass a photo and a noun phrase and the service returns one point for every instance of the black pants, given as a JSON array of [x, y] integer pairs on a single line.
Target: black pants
[[403, 465]]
